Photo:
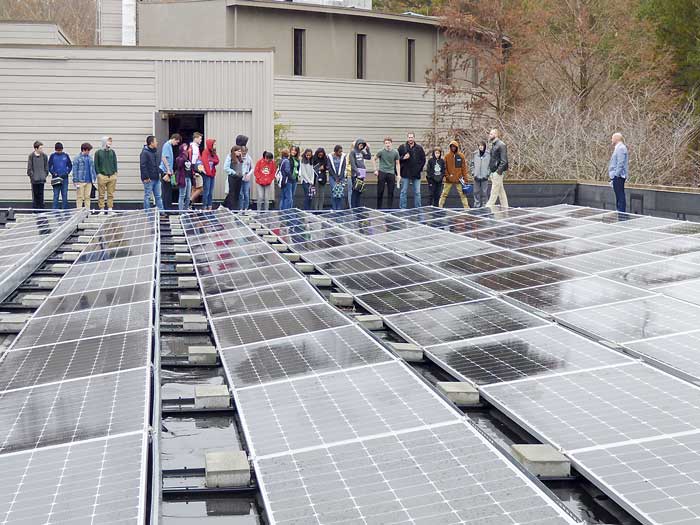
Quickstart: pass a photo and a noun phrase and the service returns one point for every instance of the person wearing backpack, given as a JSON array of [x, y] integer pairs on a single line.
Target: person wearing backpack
[[183, 176], [60, 167], [436, 173], [320, 166], [286, 182], [479, 168], [265, 171], [336, 177], [455, 174]]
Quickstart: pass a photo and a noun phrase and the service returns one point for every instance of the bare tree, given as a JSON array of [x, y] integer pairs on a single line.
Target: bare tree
[[77, 18]]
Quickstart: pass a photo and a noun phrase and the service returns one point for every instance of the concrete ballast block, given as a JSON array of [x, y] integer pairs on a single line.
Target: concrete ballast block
[[181, 248], [184, 268], [77, 246], [201, 355], [60, 268], [227, 469], [281, 247], [45, 283], [187, 282], [183, 257], [192, 300], [263, 231], [407, 351], [12, 323], [461, 394], [270, 238], [194, 323], [305, 267], [33, 299], [542, 460], [177, 239], [84, 238], [291, 257], [70, 256], [370, 322], [212, 396], [341, 299], [322, 281]]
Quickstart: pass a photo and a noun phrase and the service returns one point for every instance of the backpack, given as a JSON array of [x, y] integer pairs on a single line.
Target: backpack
[[338, 191], [278, 176]]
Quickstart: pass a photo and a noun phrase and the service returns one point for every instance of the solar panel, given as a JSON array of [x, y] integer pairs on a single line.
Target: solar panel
[[241, 263], [114, 265], [364, 264], [312, 411], [656, 274], [94, 299], [530, 218], [600, 407], [301, 355], [344, 252], [634, 320], [680, 228], [591, 229], [253, 300], [628, 237], [115, 253], [265, 326], [607, 260], [88, 482], [559, 249], [242, 280], [558, 224], [452, 251], [499, 232], [447, 474], [524, 277], [434, 240], [97, 281], [578, 212], [485, 263], [685, 291], [387, 278], [614, 217], [678, 351], [419, 297], [578, 293], [669, 247], [527, 239], [528, 353], [462, 321]]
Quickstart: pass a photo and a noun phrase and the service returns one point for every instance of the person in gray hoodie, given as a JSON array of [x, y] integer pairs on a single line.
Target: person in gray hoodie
[[479, 168], [37, 171], [358, 170]]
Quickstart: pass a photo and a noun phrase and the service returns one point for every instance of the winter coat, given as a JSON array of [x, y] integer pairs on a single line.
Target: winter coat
[[60, 164], [432, 176], [84, 169], [479, 165], [412, 167], [455, 165], [265, 172], [358, 158], [37, 167], [183, 167], [285, 171], [209, 158], [499, 157], [337, 176], [148, 163]]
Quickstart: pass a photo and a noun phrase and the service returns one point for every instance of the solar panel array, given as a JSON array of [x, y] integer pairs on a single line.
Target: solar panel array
[[618, 278], [339, 429], [75, 387]]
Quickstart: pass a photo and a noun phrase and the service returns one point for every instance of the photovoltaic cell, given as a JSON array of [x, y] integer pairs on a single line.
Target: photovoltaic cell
[[669, 247], [100, 280], [685, 291], [678, 351], [366, 263], [253, 300], [607, 260], [629, 236], [680, 228], [485, 263], [344, 252], [235, 265], [452, 251], [506, 230], [65, 304], [242, 280], [524, 277], [656, 274], [557, 250], [527, 353], [387, 278], [527, 239]]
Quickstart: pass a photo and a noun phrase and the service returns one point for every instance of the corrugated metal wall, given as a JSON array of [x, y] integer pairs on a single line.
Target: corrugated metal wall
[[324, 112], [224, 126], [30, 33], [110, 22]]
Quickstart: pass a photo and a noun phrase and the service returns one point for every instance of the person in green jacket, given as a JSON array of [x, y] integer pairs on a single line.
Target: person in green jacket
[[106, 168]]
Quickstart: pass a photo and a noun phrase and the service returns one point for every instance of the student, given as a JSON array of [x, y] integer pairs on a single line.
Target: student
[[294, 164], [320, 164], [150, 173], [265, 171], [436, 174], [412, 164], [336, 177], [618, 170], [388, 172], [233, 166], [286, 181], [84, 176], [60, 167], [106, 168], [209, 160], [498, 165], [167, 163], [244, 197], [307, 178], [37, 171], [455, 174], [479, 168], [359, 155], [183, 176], [197, 169]]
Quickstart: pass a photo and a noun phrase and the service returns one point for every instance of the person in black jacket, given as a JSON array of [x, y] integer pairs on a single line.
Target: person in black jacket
[[412, 159], [436, 173], [150, 174], [498, 165]]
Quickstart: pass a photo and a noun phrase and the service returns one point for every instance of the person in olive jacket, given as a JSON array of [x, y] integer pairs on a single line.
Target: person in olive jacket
[[455, 174]]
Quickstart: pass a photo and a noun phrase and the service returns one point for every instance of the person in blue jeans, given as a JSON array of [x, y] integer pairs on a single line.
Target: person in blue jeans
[[248, 169], [412, 158], [618, 170], [150, 173], [336, 177], [60, 167], [359, 154], [287, 198]]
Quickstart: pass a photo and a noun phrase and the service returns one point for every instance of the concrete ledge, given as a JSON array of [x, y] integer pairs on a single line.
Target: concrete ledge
[[370, 322], [227, 469], [305, 267], [542, 460], [12, 323], [45, 283], [183, 257], [84, 238], [291, 257], [461, 394], [322, 281], [33, 299], [341, 299], [184, 268], [187, 283], [407, 351], [70, 256], [194, 323], [192, 300], [212, 396], [201, 355], [281, 247]]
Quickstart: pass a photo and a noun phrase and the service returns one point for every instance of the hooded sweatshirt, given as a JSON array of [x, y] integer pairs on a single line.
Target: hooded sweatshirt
[[436, 169], [183, 166], [105, 159], [209, 158], [265, 172], [358, 158], [479, 164], [455, 165]]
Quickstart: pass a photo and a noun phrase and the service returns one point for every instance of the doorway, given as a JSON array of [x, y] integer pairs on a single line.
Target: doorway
[[185, 124]]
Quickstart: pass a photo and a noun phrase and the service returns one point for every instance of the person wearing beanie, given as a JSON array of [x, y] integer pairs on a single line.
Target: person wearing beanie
[[60, 167], [106, 168]]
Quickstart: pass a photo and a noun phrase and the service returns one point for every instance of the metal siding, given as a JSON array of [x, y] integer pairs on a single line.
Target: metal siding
[[110, 22], [224, 126], [30, 33]]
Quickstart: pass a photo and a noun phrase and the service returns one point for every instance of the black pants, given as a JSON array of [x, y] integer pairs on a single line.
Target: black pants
[[234, 192], [38, 195], [166, 188], [618, 184], [435, 191], [390, 180]]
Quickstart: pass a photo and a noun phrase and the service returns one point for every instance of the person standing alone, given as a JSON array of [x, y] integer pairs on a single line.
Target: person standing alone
[[37, 171], [479, 167], [498, 165], [618, 170], [106, 168], [60, 167], [388, 172], [412, 158]]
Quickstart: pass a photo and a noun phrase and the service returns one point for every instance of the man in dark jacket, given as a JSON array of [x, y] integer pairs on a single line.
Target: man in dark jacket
[[60, 167], [150, 174], [498, 165], [412, 162], [37, 171]]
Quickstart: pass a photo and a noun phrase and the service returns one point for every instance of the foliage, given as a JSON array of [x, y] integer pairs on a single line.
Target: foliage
[[281, 135], [423, 7], [77, 18]]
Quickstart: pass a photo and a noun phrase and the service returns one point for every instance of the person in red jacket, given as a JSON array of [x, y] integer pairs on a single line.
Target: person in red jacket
[[209, 160], [265, 170]]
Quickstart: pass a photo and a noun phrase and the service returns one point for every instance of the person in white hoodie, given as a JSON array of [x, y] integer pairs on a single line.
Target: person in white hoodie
[[307, 177]]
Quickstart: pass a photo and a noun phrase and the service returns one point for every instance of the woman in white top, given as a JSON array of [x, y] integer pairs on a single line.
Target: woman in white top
[[307, 177]]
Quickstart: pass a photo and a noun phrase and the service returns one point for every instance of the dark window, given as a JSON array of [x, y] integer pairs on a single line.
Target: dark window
[[411, 60], [299, 52], [361, 54]]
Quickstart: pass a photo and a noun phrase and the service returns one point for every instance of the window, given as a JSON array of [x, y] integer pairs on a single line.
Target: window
[[299, 52], [411, 60], [361, 55]]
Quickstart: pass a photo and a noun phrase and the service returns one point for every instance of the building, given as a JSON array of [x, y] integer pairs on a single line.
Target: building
[[12, 32]]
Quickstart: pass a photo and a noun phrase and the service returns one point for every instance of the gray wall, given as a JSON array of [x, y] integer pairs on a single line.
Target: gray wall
[[110, 22], [182, 24], [31, 33]]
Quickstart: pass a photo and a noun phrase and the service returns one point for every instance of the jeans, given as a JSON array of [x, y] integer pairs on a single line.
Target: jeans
[[349, 184], [293, 193], [152, 187], [265, 195], [62, 191], [244, 197], [336, 202], [356, 199], [232, 201], [166, 188], [481, 192], [320, 196], [498, 192], [308, 198], [403, 197], [446, 191], [208, 194], [287, 197], [38, 195], [388, 179], [183, 198], [618, 184]]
